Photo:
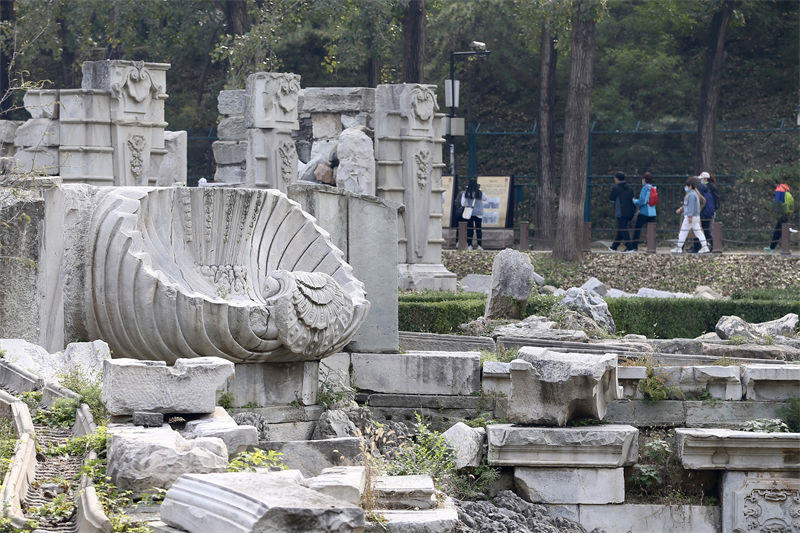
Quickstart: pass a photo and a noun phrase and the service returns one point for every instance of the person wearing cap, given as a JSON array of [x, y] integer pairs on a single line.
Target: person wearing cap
[[708, 190], [622, 196], [783, 203], [691, 217]]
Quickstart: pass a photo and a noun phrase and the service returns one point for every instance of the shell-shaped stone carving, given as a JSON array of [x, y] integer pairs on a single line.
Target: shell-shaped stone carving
[[243, 274]]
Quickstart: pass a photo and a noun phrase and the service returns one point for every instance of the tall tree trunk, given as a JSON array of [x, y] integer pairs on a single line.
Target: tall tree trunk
[[569, 230], [709, 90], [545, 167], [67, 52], [373, 66], [236, 20], [413, 41], [6, 14]]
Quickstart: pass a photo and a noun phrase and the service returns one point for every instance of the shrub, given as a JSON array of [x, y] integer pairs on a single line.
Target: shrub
[[765, 425], [790, 414], [789, 293], [90, 390], [428, 454], [438, 317], [439, 296], [249, 461]]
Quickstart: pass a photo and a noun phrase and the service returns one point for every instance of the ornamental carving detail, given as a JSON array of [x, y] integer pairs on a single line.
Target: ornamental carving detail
[[423, 103], [287, 161], [136, 145], [136, 83], [283, 90], [422, 161], [770, 510]]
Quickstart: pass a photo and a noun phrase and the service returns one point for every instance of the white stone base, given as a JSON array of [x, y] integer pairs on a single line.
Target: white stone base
[[635, 518], [760, 501], [570, 485], [266, 384], [425, 277], [447, 373]]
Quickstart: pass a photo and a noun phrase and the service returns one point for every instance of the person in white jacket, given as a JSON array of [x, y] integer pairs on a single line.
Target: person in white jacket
[[472, 202], [691, 217]]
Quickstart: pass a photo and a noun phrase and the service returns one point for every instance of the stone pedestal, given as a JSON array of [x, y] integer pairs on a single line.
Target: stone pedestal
[[265, 384], [408, 140]]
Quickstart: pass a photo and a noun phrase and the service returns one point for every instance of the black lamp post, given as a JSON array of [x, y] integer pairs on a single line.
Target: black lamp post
[[478, 49]]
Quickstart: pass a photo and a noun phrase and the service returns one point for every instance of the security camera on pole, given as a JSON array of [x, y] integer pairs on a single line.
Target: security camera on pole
[[456, 126]]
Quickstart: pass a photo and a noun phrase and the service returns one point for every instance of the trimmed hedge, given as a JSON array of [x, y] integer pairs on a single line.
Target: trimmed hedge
[[790, 293], [439, 296], [669, 318], [654, 317]]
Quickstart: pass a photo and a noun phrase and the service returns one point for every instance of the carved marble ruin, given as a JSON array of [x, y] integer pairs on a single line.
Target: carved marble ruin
[[108, 132], [256, 148]]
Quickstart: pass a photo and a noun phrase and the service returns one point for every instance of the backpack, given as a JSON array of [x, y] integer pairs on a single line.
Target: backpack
[[702, 199], [653, 199], [709, 208], [788, 203], [459, 207]]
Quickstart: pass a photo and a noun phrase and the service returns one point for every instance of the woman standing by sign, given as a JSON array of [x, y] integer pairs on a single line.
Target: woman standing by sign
[[472, 202]]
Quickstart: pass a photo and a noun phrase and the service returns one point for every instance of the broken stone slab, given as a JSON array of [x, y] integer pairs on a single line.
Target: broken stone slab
[[477, 283], [147, 419], [729, 327], [311, 457], [447, 373], [637, 517], [345, 483], [719, 382], [337, 99], [603, 446], [467, 443], [629, 378], [771, 382], [85, 358], [646, 292], [590, 305], [52, 391], [17, 379], [539, 327], [596, 286], [760, 501], [441, 520], [275, 383], [405, 492], [237, 438], [37, 132], [229, 152], [8, 129], [571, 485], [616, 293], [245, 502], [30, 358], [496, 377], [334, 423], [437, 342], [187, 387], [41, 103], [142, 458], [232, 129], [551, 388], [231, 102], [511, 285], [751, 351], [725, 449], [677, 413]]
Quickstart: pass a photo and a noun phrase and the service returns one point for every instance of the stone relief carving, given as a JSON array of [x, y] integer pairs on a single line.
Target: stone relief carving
[[422, 160], [768, 508], [136, 85], [287, 164], [283, 90], [275, 290], [136, 145], [423, 102]]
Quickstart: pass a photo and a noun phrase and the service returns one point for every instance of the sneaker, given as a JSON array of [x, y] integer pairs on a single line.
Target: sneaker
[[703, 250], [480, 247], [469, 247], [792, 230], [630, 251], [612, 249], [677, 250], [769, 250]]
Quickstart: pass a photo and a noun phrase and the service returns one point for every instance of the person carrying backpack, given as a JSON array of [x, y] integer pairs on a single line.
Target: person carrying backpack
[[472, 202], [783, 203], [648, 198], [692, 205], [709, 210], [622, 195]]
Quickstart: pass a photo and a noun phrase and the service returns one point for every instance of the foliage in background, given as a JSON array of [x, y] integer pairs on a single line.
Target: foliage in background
[[60, 414], [790, 414], [8, 441], [251, 460], [334, 391], [766, 425], [90, 391]]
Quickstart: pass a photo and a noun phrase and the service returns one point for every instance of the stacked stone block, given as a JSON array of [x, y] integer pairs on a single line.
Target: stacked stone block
[[230, 151]]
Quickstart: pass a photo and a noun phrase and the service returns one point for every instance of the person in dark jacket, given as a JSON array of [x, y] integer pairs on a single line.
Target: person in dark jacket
[[622, 196], [647, 212]]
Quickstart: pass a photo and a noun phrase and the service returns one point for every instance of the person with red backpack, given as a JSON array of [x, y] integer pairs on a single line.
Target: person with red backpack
[[648, 198], [783, 203]]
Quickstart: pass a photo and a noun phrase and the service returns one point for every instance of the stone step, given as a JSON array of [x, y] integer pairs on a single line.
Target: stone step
[[405, 492], [441, 520], [344, 483]]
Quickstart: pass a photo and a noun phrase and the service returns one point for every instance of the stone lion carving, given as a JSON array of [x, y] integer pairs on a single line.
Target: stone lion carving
[[256, 281]]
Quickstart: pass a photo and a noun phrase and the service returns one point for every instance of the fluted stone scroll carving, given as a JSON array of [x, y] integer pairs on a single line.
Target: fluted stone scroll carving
[[253, 279]]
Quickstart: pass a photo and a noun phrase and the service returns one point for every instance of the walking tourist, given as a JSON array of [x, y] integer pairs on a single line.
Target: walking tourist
[[691, 217], [648, 198], [783, 203], [622, 196], [472, 201], [708, 190]]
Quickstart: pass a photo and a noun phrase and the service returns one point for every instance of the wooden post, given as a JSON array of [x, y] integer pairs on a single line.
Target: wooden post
[[785, 239], [462, 235], [651, 237], [716, 236], [524, 228], [587, 236]]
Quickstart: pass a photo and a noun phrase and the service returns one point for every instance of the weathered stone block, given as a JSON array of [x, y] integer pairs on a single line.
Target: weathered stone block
[[148, 419], [496, 377], [511, 285], [732, 326], [771, 382], [467, 443], [723, 449], [590, 305], [231, 102], [442, 520], [338, 99], [345, 483], [229, 152], [405, 492], [173, 166], [142, 458], [187, 387], [245, 502], [232, 129], [570, 485], [596, 286], [41, 103], [760, 501], [447, 373], [237, 438], [230, 174], [326, 125], [311, 457], [8, 129], [42, 160], [37, 132], [632, 517], [552, 388], [588, 446], [356, 170], [275, 383]]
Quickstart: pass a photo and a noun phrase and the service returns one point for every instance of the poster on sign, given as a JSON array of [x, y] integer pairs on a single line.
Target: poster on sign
[[496, 194], [448, 184]]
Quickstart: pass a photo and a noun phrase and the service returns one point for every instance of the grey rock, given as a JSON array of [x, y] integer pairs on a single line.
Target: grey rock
[[229, 152], [148, 419], [333, 424], [508, 513], [237, 437], [616, 293], [538, 279], [539, 327], [232, 129], [231, 102], [511, 285], [7, 130], [590, 305], [547, 289], [37, 132], [732, 326], [752, 351], [256, 420], [596, 286], [312, 456], [707, 293], [344, 483], [467, 443], [356, 171], [646, 292], [230, 174]]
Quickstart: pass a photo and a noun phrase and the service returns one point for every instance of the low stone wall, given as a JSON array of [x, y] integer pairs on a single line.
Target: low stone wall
[[22, 469], [627, 517]]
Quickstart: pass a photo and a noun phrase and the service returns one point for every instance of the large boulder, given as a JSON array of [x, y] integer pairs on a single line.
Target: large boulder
[[590, 305], [552, 388], [84, 357], [512, 272], [596, 286], [356, 171], [732, 326], [142, 458]]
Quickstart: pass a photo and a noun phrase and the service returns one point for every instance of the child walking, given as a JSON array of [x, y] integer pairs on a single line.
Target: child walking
[[691, 217]]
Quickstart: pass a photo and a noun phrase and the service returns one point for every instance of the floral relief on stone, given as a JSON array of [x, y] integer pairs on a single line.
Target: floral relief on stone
[[136, 144], [422, 161]]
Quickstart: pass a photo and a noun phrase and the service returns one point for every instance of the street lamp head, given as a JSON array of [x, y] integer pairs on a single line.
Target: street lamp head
[[478, 46]]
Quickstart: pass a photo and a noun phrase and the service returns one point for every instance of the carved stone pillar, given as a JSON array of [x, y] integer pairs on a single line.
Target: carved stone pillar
[[136, 93], [408, 139], [270, 116]]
